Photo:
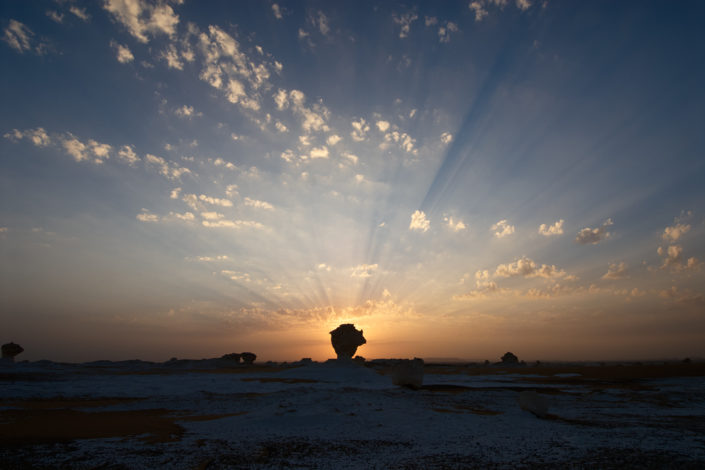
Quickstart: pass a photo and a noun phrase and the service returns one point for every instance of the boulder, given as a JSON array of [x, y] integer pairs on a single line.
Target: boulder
[[408, 373], [509, 358], [10, 350], [345, 340], [534, 403], [248, 357], [235, 357]]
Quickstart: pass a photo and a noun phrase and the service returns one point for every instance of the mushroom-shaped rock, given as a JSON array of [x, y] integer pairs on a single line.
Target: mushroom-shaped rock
[[509, 358], [248, 357], [534, 403], [408, 373], [345, 340], [235, 357], [10, 350]]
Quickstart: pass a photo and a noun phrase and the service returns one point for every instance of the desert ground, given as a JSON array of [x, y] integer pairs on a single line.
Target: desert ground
[[209, 414]]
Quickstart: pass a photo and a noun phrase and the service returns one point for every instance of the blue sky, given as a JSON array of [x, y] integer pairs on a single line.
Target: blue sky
[[459, 179]]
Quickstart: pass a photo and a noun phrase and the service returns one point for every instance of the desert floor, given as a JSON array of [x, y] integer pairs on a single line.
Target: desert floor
[[208, 415]]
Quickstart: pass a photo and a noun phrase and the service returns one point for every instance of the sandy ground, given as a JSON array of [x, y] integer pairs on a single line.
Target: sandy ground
[[204, 416]]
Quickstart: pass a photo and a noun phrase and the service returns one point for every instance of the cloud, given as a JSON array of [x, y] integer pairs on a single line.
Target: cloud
[[80, 13], [319, 152], [209, 258], [526, 267], [187, 112], [173, 60], [523, 4], [37, 136], [146, 216], [220, 162], [616, 271], [360, 129], [673, 233], [430, 20], [19, 37], [454, 225], [320, 21], [333, 139], [142, 18], [277, 11], [215, 201], [673, 259], [82, 152], [405, 21], [446, 137], [170, 170], [212, 215], [124, 55], [281, 127], [551, 230], [502, 229], [594, 235], [186, 216], [404, 140], [445, 31], [363, 270], [419, 221], [55, 16], [353, 158], [479, 10], [258, 204], [323, 267], [484, 288], [236, 224], [683, 296], [383, 126]]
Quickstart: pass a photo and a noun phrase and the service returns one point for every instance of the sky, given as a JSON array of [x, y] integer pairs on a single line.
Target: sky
[[458, 179]]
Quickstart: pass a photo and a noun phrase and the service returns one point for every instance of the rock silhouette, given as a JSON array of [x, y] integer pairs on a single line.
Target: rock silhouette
[[345, 340], [10, 350], [509, 358], [248, 357], [235, 357]]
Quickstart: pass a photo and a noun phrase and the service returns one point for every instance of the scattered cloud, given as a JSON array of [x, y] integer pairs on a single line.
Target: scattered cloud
[[616, 271], [37, 136], [444, 32], [551, 230], [404, 140], [187, 112], [405, 21], [682, 296], [214, 201], [363, 270], [673, 259], [319, 152], [147, 216], [169, 170], [419, 221], [128, 155], [55, 16], [236, 224], [594, 235], [85, 151], [479, 9], [143, 18], [276, 9], [220, 162], [360, 129], [673, 233], [258, 204], [502, 229], [526, 267], [19, 37], [80, 13], [333, 139], [454, 225], [383, 126], [353, 158], [446, 137], [123, 53]]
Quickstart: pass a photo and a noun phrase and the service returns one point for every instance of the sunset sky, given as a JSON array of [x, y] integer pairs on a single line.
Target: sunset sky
[[458, 179]]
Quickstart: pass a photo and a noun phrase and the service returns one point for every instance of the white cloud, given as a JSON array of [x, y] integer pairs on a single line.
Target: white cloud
[[363, 270], [324, 267], [502, 229], [550, 230], [173, 60], [304, 140], [523, 4], [128, 155], [55, 16], [673, 259], [479, 9], [212, 215], [321, 22], [353, 158], [146, 216], [143, 18], [673, 233], [454, 225], [220, 162], [616, 271], [419, 221], [446, 137], [383, 126], [430, 20], [187, 112], [186, 216], [170, 170], [19, 37], [175, 193], [526, 267], [258, 204], [80, 13], [594, 235], [405, 141], [319, 152], [360, 129], [215, 201], [288, 155], [444, 32], [277, 11], [359, 178], [231, 190], [37, 136], [124, 54], [210, 258], [405, 21], [333, 139], [236, 224], [82, 152], [280, 127]]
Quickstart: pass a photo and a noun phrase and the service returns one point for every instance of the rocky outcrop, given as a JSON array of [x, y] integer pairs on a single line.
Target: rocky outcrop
[[248, 357], [10, 350], [509, 358], [235, 357], [345, 340], [408, 373], [534, 403]]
